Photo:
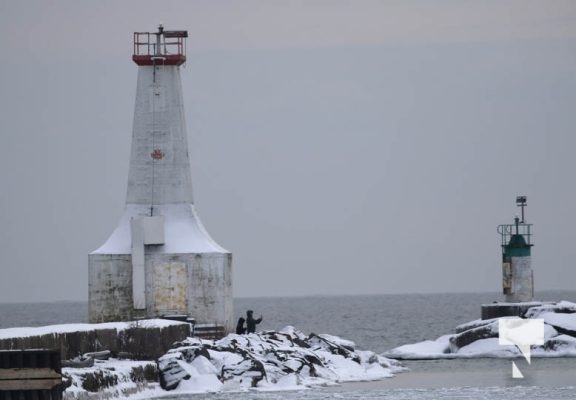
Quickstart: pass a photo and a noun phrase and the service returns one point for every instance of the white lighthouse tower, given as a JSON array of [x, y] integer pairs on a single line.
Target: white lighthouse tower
[[160, 260]]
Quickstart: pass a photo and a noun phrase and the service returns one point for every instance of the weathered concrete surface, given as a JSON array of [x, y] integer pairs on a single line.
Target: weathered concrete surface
[[110, 288], [141, 343], [199, 285], [521, 280], [159, 164]]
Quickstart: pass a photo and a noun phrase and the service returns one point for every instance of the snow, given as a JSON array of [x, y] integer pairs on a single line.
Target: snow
[[120, 372], [265, 361], [562, 307], [422, 350], [10, 333], [484, 334], [488, 348], [282, 360], [203, 377], [184, 232], [563, 321], [505, 303], [339, 341]]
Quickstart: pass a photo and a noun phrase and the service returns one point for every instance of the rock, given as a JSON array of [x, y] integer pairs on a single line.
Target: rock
[[479, 338], [270, 358], [474, 324], [562, 307], [559, 342], [343, 348], [98, 380], [98, 355], [78, 362], [109, 379], [464, 338], [171, 372]]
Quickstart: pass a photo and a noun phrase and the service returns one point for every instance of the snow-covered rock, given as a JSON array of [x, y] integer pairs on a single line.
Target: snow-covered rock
[[271, 360], [110, 379], [479, 338]]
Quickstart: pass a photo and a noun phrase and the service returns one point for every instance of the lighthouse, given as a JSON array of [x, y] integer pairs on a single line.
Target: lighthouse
[[517, 273], [160, 261]]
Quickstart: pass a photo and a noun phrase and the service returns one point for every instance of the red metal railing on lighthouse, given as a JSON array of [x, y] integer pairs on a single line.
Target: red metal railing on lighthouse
[[160, 48]]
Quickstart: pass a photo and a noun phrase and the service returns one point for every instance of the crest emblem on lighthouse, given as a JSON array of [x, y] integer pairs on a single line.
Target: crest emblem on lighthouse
[[157, 154]]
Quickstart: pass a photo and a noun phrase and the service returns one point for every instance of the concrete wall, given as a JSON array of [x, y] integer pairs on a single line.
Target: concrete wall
[[110, 288], [522, 282], [198, 285], [210, 290], [145, 343]]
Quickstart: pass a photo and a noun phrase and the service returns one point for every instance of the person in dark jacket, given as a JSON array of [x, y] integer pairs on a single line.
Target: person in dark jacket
[[251, 322], [240, 329]]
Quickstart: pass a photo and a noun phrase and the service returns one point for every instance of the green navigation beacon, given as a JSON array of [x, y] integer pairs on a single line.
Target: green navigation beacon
[[517, 274]]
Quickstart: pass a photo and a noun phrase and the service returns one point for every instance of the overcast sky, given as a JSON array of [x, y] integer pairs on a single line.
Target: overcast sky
[[337, 147]]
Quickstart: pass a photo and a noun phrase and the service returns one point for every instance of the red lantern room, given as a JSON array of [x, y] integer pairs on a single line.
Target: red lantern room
[[160, 48]]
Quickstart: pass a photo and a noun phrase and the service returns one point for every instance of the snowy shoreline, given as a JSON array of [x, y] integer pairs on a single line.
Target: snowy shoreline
[[479, 338], [288, 359], [267, 361]]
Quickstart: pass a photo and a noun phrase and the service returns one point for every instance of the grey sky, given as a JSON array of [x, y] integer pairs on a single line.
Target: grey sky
[[338, 147]]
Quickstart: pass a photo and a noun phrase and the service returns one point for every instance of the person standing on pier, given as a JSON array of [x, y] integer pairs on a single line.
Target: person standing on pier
[[251, 322], [240, 329]]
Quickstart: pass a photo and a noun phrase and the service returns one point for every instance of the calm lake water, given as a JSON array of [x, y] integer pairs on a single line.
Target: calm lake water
[[376, 323]]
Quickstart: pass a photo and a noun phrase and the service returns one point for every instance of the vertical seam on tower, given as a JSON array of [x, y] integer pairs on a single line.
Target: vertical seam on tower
[[153, 134]]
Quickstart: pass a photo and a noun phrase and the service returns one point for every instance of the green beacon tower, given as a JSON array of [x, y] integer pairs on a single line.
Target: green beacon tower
[[517, 274]]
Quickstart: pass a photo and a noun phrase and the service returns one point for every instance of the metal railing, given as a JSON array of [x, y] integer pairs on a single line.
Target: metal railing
[[145, 43], [507, 230]]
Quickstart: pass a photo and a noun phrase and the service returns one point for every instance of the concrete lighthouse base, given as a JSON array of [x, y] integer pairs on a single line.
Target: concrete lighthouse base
[[188, 275]]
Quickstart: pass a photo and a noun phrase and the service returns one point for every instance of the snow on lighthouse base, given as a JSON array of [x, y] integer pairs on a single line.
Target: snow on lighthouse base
[[188, 275]]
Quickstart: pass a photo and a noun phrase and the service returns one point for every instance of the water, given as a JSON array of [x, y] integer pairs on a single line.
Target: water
[[376, 323]]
